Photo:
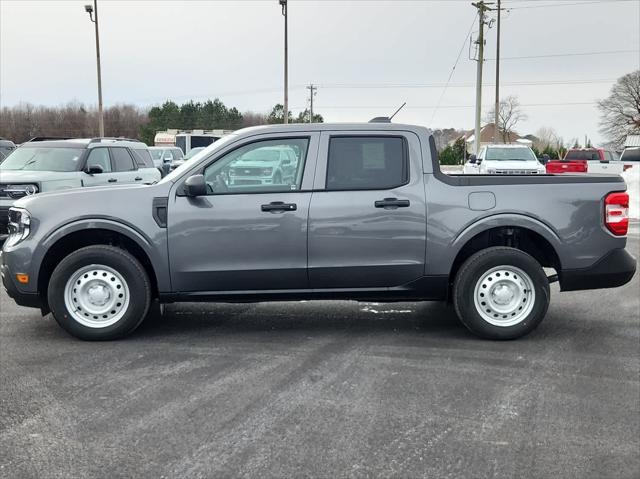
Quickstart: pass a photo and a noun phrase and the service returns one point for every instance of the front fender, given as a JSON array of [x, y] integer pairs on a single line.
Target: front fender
[[153, 247]]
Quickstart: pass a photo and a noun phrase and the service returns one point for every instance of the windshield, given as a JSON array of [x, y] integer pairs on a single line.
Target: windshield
[[193, 152], [261, 154], [206, 152], [43, 159], [517, 154], [582, 155], [156, 154]]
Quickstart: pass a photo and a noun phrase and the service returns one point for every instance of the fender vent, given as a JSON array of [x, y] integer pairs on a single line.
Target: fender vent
[[160, 211]]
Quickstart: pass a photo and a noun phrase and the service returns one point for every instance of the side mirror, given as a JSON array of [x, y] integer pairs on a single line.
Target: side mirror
[[195, 186], [473, 159], [286, 161], [95, 170], [545, 159]]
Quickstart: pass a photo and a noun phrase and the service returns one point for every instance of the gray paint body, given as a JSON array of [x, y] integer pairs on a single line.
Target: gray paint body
[[334, 240]]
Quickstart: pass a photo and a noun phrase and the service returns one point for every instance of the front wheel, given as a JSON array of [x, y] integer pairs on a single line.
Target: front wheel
[[501, 293], [99, 293]]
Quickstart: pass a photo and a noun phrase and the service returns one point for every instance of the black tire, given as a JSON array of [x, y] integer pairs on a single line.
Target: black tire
[[119, 260], [475, 268]]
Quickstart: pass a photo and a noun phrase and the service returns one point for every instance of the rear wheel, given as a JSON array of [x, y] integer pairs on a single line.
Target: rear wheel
[[99, 292], [501, 293]]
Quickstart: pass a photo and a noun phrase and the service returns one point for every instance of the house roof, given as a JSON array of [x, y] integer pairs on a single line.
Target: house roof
[[632, 140], [487, 134]]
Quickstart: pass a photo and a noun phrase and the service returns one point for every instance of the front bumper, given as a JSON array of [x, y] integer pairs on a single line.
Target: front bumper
[[30, 300], [614, 269]]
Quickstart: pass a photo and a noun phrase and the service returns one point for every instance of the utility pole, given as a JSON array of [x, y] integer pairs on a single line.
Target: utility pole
[[497, 106], [482, 7], [283, 4], [94, 10], [312, 92]]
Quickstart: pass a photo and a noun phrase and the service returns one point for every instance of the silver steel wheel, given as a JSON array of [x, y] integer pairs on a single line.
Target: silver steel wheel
[[504, 296], [96, 296]]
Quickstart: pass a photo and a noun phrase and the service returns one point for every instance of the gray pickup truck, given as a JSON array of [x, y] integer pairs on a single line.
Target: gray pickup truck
[[367, 215]]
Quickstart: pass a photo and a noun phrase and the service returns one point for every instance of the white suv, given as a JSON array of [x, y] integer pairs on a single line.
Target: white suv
[[41, 166]]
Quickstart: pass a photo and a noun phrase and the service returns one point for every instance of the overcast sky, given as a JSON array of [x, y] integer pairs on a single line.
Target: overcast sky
[[367, 57]]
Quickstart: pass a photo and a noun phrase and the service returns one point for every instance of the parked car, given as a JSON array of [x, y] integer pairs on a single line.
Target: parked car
[[504, 159], [43, 166], [6, 147], [163, 156], [275, 165], [368, 215], [630, 157], [587, 160], [192, 152]]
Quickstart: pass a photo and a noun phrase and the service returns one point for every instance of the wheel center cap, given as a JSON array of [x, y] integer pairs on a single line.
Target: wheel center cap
[[502, 294], [98, 295]]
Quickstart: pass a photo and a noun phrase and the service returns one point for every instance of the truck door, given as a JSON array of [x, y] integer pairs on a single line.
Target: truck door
[[367, 220], [247, 235]]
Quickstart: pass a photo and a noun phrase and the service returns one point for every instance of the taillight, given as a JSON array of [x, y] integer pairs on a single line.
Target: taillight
[[616, 213], [626, 167]]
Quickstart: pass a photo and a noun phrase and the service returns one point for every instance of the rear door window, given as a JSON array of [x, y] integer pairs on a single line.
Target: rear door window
[[143, 158], [122, 160], [367, 163]]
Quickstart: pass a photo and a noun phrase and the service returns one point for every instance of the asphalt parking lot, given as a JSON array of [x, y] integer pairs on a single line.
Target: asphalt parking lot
[[326, 389]]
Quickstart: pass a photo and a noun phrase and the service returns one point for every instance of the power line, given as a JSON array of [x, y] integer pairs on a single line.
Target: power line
[[454, 68], [555, 55], [458, 85], [553, 5], [428, 107]]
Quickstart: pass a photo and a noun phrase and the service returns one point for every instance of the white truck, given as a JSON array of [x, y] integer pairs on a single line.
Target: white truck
[[504, 159]]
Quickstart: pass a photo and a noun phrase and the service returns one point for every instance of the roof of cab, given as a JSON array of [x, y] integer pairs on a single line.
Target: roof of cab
[[341, 127]]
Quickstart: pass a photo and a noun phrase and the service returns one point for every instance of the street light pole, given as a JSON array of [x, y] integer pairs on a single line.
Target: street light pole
[[283, 4], [91, 10]]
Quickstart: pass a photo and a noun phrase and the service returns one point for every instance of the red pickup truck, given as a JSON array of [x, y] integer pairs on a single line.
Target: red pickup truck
[[586, 160]]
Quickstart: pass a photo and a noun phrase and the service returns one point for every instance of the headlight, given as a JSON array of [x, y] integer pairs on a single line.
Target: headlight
[[19, 191], [19, 226]]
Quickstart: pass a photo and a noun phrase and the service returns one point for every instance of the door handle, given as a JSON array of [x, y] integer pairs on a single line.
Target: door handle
[[112, 180], [279, 206], [391, 203], [138, 178]]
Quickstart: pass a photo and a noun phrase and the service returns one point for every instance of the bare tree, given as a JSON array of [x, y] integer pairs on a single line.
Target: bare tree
[[620, 111], [24, 121], [509, 116], [547, 138]]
